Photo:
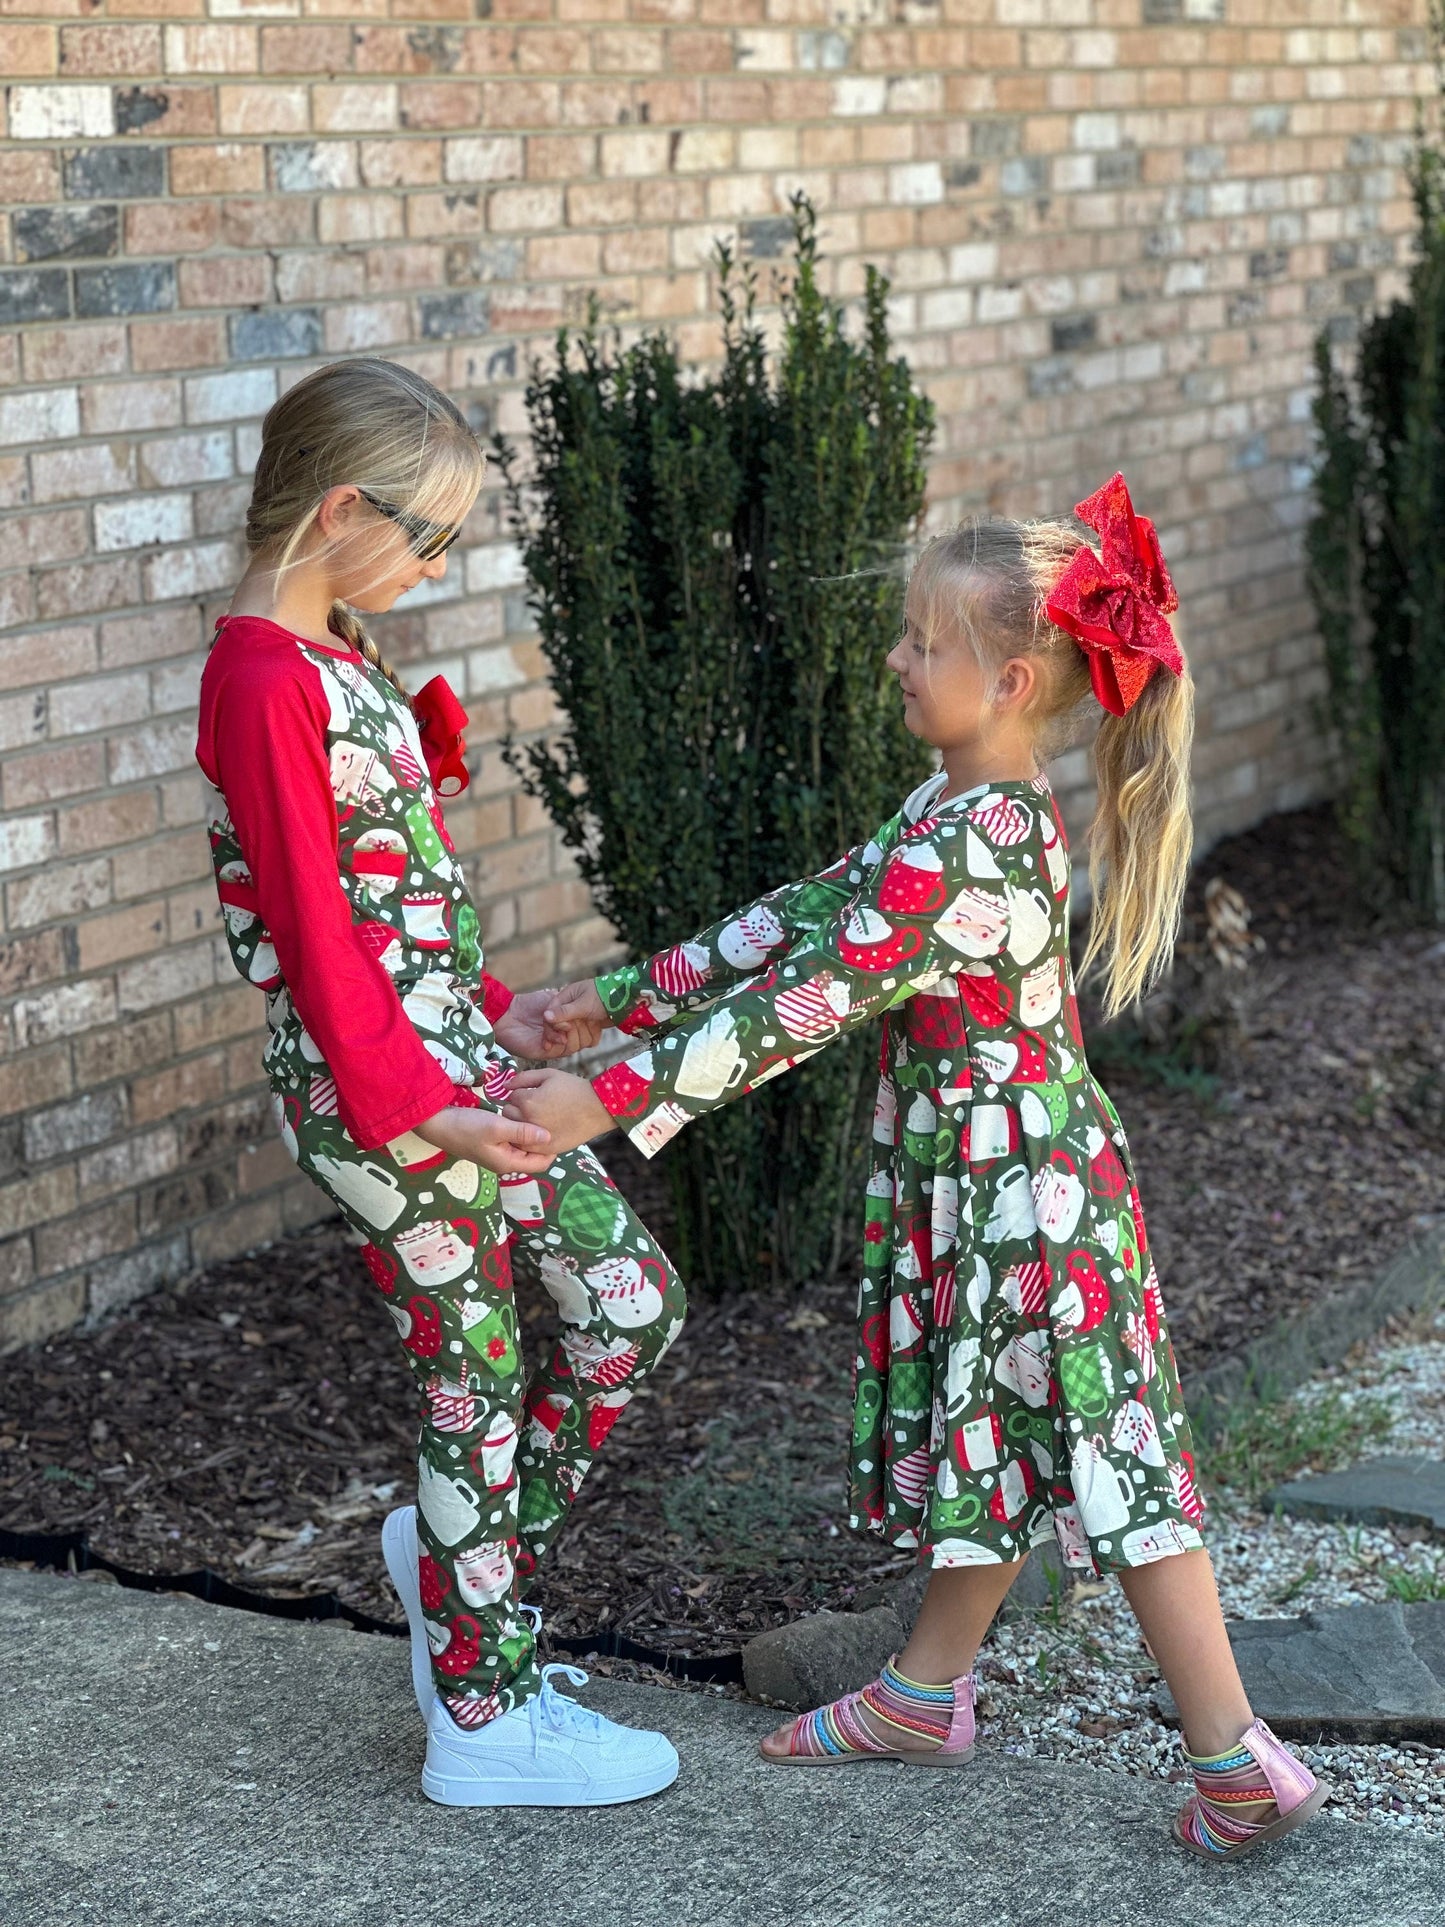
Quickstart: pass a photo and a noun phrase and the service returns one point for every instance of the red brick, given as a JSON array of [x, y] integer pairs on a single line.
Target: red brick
[[27, 51], [232, 167], [79, 348], [225, 281], [109, 51], [191, 342], [170, 227]]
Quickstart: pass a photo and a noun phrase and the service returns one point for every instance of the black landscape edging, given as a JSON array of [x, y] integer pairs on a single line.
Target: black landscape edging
[[71, 1552]]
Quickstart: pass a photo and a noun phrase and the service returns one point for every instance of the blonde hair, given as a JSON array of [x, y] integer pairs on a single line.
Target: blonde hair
[[988, 581], [378, 426]]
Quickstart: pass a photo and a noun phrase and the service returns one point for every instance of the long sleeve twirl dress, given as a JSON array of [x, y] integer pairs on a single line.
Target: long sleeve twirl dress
[[1014, 1376]]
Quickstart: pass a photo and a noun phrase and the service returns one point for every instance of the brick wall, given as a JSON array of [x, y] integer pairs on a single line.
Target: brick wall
[[1113, 228]]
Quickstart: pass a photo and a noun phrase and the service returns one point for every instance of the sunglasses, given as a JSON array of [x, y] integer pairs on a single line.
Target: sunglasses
[[428, 539]]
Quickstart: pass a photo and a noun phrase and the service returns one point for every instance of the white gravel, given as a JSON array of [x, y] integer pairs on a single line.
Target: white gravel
[[1078, 1684]]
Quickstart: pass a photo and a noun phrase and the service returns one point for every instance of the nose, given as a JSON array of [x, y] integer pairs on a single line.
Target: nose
[[436, 568], [894, 659]]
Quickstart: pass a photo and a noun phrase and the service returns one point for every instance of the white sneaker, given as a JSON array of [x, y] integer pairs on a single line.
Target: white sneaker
[[549, 1752], [400, 1550]]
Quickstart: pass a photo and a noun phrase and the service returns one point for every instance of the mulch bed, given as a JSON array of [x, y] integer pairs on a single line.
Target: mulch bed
[[258, 1420]]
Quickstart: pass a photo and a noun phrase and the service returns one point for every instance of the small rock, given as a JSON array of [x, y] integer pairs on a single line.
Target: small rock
[[816, 1659], [1377, 1492]]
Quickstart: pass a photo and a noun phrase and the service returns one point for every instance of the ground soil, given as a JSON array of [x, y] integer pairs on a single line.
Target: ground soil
[[258, 1420]]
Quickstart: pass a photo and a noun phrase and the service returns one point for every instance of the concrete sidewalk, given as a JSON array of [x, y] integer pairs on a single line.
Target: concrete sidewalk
[[178, 1764]]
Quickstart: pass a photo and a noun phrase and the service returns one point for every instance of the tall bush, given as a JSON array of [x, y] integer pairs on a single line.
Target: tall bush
[[716, 568], [1376, 550]]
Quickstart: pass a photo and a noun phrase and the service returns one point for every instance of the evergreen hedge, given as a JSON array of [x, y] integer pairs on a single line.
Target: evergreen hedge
[[716, 566], [1376, 551]]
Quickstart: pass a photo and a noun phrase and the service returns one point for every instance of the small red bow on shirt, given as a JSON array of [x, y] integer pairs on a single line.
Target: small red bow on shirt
[[1114, 605], [441, 720]]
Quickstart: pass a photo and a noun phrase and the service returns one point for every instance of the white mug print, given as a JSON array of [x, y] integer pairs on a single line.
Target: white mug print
[[1030, 921], [1058, 1200], [357, 773], [446, 1504], [498, 1449], [1104, 1491], [1023, 1366], [1013, 1214], [1158, 1540], [712, 1059], [660, 1126], [963, 1357], [1136, 1430], [371, 1192]]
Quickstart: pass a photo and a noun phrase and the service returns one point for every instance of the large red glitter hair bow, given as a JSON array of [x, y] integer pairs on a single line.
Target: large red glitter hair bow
[[1114, 605]]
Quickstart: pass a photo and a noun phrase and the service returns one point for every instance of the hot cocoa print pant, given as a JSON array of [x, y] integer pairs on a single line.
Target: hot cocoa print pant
[[500, 1460]]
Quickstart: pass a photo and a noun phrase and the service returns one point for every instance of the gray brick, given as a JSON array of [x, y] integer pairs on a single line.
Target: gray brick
[[67, 1128], [1268, 123], [470, 262], [444, 315], [32, 296], [1024, 174], [311, 167], [440, 47], [116, 1281], [56, 233], [962, 173], [275, 334], [115, 173], [1050, 375], [1073, 331], [994, 139], [12, 1149], [1120, 168], [767, 238], [1163, 13], [137, 107], [1268, 264], [145, 287]]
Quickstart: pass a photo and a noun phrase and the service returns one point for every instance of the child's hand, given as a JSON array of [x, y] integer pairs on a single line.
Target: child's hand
[[575, 1018], [521, 1029], [566, 1107], [501, 1142]]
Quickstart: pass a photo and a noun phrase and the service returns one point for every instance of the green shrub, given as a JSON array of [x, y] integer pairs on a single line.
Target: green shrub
[[1377, 569], [716, 568]]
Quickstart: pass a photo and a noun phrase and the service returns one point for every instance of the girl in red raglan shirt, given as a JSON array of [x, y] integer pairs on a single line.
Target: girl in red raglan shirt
[[390, 1055]]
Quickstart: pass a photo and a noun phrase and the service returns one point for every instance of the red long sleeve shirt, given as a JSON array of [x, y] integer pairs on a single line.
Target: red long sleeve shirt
[[262, 741]]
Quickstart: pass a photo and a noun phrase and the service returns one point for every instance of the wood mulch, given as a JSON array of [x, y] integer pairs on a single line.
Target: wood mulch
[[258, 1420]]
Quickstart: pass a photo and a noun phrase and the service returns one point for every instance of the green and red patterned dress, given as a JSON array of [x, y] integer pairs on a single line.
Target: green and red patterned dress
[[1014, 1377]]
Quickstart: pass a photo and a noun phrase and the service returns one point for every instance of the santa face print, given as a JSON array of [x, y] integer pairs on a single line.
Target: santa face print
[[484, 1575]]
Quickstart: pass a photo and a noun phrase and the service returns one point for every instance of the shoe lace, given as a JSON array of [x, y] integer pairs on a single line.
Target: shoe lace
[[560, 1713]]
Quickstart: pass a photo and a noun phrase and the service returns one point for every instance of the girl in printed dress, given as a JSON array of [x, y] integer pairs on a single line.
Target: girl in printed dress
[[1015, 1382], [390, 1054]]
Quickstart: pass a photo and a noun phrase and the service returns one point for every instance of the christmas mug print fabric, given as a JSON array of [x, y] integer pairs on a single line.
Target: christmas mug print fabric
[[354, 911], [1014, 1378]]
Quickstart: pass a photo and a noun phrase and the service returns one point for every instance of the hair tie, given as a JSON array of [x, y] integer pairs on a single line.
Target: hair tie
[[1114, 605]]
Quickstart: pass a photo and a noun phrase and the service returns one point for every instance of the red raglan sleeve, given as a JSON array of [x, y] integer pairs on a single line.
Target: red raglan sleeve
[[266, 735]]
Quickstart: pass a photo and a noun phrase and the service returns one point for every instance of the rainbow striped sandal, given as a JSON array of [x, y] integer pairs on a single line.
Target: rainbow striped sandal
[[1237, 1791], [836, 1734]]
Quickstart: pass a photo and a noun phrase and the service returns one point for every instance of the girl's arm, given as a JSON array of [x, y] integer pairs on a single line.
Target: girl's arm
[[951, 915], [691, 976], [263, 744]]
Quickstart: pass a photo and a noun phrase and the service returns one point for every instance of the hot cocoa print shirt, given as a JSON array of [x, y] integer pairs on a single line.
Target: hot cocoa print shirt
[[1014, 1375], [340, 891]]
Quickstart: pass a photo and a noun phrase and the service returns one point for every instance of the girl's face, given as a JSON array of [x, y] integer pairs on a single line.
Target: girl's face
[[373, 561], [946, 699]]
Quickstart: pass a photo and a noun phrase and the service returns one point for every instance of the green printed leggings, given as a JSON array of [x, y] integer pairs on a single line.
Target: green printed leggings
[[499, 1460]]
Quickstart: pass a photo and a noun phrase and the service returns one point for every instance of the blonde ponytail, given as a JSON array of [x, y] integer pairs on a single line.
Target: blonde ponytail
[[345, 623], [1141, 838], [989, 582]]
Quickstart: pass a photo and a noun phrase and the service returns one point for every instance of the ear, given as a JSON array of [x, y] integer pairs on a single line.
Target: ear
[[338, 509], [1016, 683]]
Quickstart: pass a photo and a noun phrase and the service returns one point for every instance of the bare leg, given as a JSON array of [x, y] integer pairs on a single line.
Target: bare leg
[[1176, 1603], [957, 1611]]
